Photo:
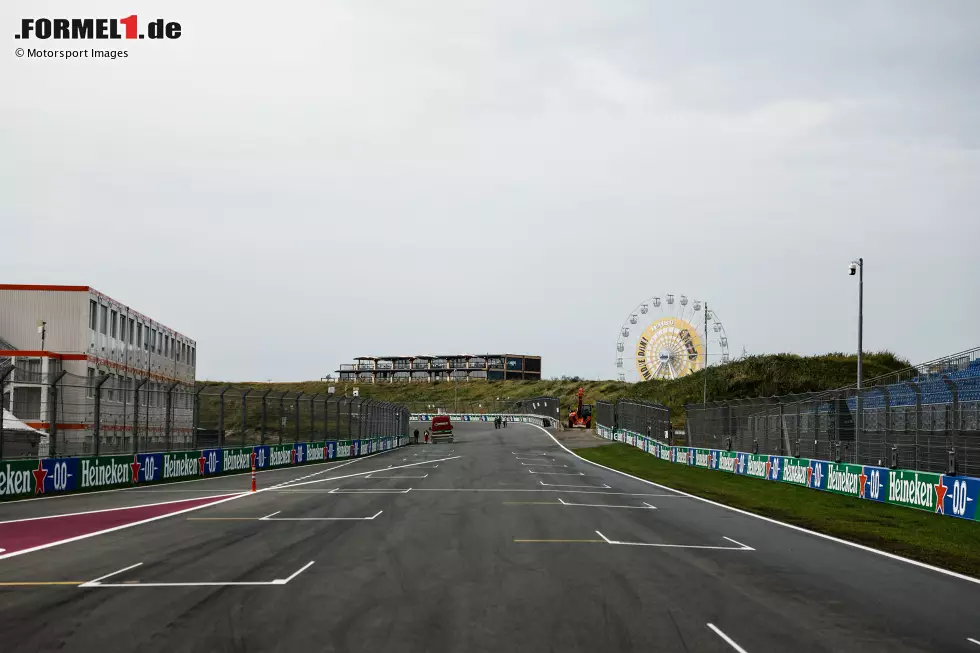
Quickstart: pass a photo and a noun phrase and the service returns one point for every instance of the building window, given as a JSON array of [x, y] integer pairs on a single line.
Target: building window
[[139, 335], [91, 382], [103, 320], [93, 314], [146, 341], [112, 325], [153, 341], [132, 325], [194, 356]]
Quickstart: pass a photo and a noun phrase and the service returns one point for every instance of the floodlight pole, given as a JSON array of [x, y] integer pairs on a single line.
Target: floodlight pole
[[704, 398]]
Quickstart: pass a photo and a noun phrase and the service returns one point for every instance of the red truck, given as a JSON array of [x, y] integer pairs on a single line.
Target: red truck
[[441, 429]]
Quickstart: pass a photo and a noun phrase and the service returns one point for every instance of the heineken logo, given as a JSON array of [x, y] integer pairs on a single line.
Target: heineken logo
[[798, 474], [316, 453], [841, 480], [683, 457], [18, 481], [758, 468], [727, 463], [665, 453], [235, 460], [281, 457], [95, 474], [177, 466], [702, 459], [912, 491], [343, 450]]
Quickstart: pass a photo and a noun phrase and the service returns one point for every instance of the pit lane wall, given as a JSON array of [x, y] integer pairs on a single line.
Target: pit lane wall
[[21, 479], [540, 420], [943, 494]]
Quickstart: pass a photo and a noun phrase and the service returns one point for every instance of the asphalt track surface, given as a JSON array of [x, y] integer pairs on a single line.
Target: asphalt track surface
[[500, 541]]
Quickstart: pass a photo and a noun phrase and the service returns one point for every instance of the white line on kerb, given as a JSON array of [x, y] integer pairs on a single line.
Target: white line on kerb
[[800, 529], [728, 640]]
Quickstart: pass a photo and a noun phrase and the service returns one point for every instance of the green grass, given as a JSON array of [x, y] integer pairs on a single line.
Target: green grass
[[753, 376], [942, 541]]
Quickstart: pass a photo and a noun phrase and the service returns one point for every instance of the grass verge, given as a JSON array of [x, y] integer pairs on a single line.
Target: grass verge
[[942, 541]]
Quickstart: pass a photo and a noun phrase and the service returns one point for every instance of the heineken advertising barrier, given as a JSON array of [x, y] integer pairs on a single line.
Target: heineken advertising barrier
[[483, 417], [46, 476], [957, 496]]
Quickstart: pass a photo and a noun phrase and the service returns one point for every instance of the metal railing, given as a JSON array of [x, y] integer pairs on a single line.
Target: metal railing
[[111, 415], [925, 418], [643, 417]]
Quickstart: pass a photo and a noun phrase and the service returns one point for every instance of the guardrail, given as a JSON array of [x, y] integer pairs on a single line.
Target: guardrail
[[956, 496], [21, 479]]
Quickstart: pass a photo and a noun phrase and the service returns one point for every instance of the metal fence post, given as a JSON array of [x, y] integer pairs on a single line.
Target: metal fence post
[[97, 416], [53, 413], [313, 417], [3, 381], [221, 416], [350, 415], [282, 417], [167, 419], [262, 425], [301, 393], [136, 407], [326, 418], [244, 415], [196, 419]]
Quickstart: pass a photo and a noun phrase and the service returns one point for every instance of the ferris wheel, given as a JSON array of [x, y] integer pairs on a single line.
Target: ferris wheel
[[673, 343]]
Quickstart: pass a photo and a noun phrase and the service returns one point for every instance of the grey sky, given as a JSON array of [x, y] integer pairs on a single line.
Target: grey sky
[[297, 183]]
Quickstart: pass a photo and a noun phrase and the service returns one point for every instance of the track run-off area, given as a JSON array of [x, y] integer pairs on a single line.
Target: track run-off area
[[503, 540]]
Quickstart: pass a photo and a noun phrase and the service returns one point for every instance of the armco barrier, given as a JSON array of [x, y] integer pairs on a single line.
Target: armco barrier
[[28, 478], [956, 496]]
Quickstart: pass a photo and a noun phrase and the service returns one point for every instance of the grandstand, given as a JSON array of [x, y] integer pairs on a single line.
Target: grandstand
[[926, 418]]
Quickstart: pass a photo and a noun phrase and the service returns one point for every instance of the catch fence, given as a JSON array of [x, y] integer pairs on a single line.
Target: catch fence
[[69, 415], [641, 417], [926, 418]]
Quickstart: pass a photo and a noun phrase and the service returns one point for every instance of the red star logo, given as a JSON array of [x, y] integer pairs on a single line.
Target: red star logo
[[809, 473], [768, 467], [863, 480], [135, 466], [940, 488], [39, 475], [200, 463]]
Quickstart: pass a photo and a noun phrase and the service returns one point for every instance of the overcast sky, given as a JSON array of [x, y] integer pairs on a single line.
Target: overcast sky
[[296, 183]]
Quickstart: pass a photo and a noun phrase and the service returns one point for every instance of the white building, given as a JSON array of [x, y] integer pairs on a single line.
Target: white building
[[79, 330]]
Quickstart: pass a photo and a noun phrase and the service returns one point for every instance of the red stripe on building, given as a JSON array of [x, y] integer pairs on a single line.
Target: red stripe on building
[[31, 286]]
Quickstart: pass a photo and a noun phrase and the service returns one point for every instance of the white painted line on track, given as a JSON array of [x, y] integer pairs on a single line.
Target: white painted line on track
[[368, 491], [531, 471], [593, 487], [337, 478], [270, 515], [728, 640], [373, 476], [645, 506], [800, 529], [323, 471], [95, 581], [975, 641], [239, 495], [541, 465], [740, 547], [95, 512], [279, 581], [270, 518]]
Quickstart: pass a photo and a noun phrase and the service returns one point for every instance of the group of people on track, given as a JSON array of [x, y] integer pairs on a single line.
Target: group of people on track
[[499, 422]]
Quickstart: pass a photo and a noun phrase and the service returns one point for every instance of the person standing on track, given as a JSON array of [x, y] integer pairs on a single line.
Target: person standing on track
[[416, 436]]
